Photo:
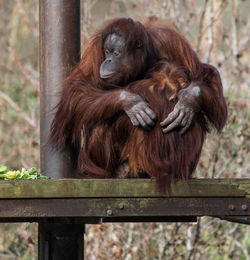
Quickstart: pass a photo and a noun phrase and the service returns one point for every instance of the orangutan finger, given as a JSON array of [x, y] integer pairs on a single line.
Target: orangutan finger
[[151, 113], [174, 124], [147, 119], [185, 119], [141, 121], [171, 117], [134, 120], [184, 129]]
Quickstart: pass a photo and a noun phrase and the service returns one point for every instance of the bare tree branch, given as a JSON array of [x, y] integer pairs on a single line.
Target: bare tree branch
[[210, 31], [18, 109], [20, 65]]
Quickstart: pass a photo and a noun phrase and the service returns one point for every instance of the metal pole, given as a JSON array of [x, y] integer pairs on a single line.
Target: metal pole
[[60, 241], [59, 52]]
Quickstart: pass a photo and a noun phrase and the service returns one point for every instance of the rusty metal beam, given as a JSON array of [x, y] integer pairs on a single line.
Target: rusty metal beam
[[123, 207], [59, 52]]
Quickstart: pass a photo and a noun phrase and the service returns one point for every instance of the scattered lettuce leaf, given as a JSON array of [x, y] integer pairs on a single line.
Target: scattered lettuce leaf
[[3, 169], [31, 174]]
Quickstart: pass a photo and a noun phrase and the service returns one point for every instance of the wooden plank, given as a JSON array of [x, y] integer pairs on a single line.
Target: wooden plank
[[246, 187], [128, 188], [123, 207]]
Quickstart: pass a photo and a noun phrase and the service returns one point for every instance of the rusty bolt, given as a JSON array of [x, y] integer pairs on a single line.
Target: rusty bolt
[[244, 207], [109, 212], [231, 207], [121, 206]]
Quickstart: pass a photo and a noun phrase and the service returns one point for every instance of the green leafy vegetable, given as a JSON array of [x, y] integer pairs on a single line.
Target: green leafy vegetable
[[31, 174], [3, 169]]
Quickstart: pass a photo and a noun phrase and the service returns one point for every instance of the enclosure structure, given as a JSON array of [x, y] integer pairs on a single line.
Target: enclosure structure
[[63, 206]]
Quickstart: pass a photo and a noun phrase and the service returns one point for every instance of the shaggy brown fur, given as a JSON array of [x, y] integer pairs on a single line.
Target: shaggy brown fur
[[89, 106]]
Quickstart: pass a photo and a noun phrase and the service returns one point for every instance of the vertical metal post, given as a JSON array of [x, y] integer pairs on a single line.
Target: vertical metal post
[[60, 241], [59, 52]]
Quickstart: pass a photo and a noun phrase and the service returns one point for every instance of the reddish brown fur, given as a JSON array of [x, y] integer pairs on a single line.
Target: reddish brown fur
[[91, 106]]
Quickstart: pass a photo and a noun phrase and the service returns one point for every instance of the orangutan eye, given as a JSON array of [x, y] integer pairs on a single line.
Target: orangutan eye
[[106, 51], [116, 52]]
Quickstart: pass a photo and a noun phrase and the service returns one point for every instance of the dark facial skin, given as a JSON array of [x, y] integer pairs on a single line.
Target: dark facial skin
[[115, 68]]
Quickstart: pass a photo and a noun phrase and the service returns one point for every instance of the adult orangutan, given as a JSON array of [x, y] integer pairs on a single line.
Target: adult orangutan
[[142, 99]]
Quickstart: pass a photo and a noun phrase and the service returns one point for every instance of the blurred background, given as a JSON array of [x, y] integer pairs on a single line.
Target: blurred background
[[219, 30]]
